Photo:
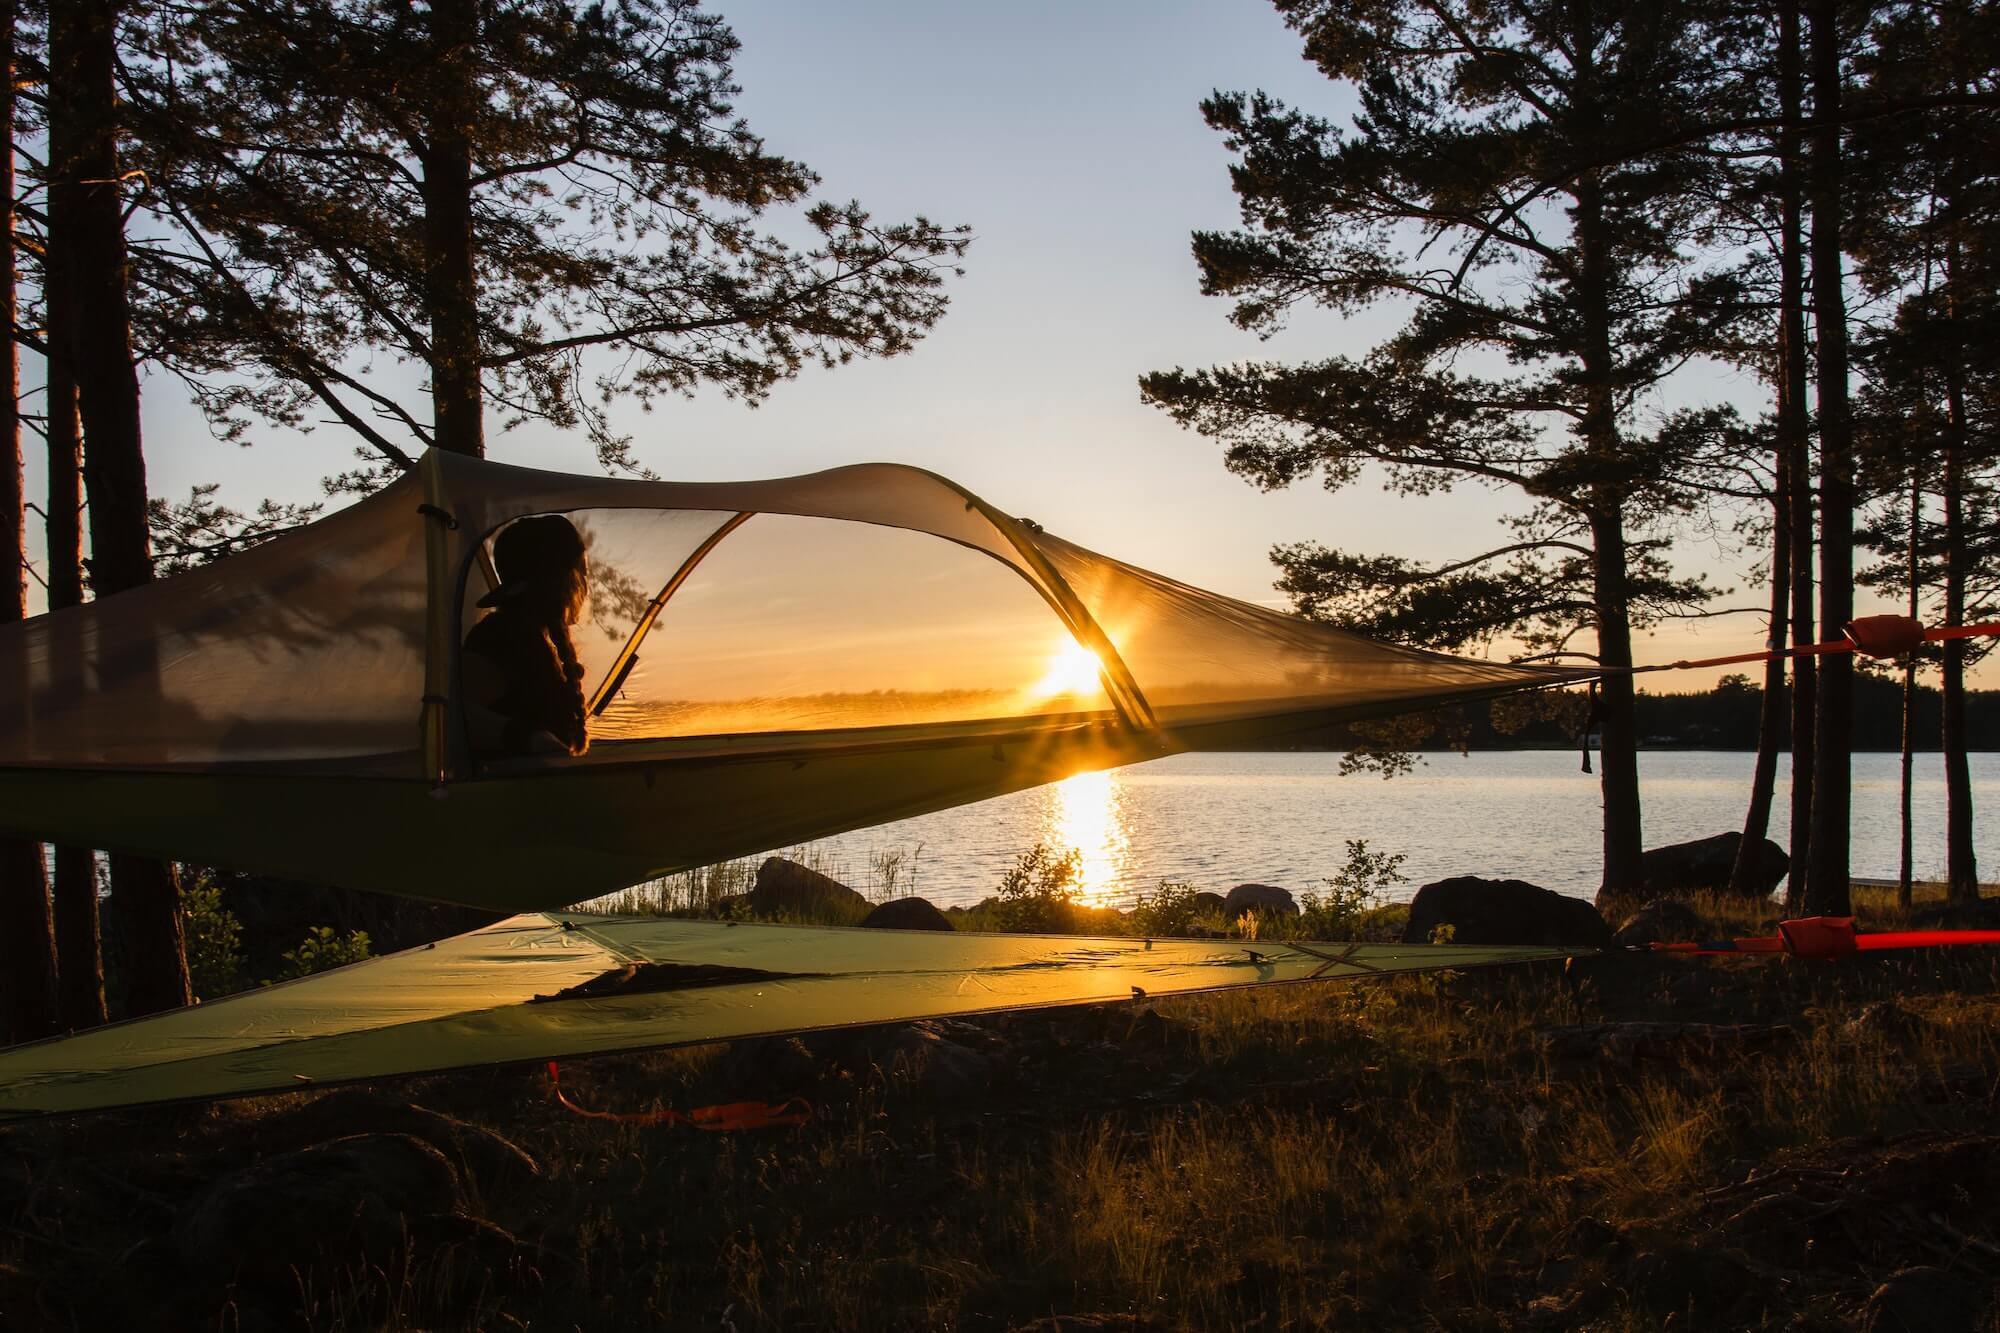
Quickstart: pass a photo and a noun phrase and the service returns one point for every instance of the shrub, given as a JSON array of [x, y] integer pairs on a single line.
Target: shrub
[[214, 940], [322, 950], [1353, 896], [1039, 893], [1168, 910]]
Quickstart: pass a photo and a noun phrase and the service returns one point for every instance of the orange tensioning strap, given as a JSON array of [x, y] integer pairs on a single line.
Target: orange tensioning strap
[[1875, 636], [1832, 937], [727, 1117]]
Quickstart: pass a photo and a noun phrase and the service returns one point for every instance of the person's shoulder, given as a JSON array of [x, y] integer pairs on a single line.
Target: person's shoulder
[[508, 639], [499, 634]]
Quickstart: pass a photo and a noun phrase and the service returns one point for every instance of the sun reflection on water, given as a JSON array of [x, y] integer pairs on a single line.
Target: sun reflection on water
[[1087, 812]]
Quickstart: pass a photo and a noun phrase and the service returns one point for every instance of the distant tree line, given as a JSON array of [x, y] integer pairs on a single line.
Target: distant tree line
[[1585, 215], [1729, 717], [533, 208]]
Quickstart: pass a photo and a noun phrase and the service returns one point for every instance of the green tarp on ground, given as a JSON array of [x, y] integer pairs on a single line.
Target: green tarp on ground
[[474, 1000]]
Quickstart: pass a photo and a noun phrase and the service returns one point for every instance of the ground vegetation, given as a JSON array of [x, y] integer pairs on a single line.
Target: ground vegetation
[[1630, 1144]]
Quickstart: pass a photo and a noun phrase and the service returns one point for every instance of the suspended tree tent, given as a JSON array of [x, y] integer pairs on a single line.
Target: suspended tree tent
[[534, 987], [770, 662]]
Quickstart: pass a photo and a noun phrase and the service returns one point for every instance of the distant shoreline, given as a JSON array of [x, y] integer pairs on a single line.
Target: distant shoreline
[[1573, 749]]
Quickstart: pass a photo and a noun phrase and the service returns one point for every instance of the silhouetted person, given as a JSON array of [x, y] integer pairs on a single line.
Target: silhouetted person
[[522, 684]]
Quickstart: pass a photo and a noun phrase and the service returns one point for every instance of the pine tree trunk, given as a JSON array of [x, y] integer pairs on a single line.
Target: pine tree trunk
[[79, 944], [27, 923], [1794, 438], [1618, 769], [1905, 865], [1618, 758], [1828, 886], [1961, 865], [1743, 878], [82, 93], [451, 291], [28, 946]]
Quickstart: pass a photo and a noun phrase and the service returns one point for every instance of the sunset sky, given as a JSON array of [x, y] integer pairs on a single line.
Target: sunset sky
[[1069, 137]]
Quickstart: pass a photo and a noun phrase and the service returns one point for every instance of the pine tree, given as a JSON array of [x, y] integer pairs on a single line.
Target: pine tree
[[1761, 209], [27, 923], [1794, 431], [87, 223], [1829, 890], [1486, 183], [79, 940], [544, 204], [1926, 238]]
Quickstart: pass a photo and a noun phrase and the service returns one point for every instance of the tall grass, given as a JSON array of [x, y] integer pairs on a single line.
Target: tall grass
[[1402, 1153], [889, 873]]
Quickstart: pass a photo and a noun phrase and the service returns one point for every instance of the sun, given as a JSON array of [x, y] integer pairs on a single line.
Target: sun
[[1074, 669]]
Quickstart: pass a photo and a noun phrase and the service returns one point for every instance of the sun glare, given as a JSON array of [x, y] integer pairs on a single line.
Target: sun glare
[[1088, 814], [1074, 669]]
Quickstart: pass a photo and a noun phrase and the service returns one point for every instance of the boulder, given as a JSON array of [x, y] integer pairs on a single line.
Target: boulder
[[1662, 922], [907, 914], [1702, 866], [1259, 898], [1502, 911], [794, 892], [1206, 902]]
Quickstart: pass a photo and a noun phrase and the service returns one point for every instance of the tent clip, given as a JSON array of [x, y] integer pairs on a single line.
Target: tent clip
[[443, 516]]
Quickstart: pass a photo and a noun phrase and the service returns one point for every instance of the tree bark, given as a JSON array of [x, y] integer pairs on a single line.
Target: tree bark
[[451, 290], [1961, 863], [1828, 886], [1618, 769], [1771, 719], [79, 942], [145, 895], [1905, 864], [27, 922], [1794, 438], [1618, 723]]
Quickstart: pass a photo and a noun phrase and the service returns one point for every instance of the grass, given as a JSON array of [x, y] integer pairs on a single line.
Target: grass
[[1411, 1153], [891, 873]]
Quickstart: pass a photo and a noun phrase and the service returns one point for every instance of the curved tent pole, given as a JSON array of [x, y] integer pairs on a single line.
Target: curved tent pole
[[1125, 693], [1123, 690], [626, 655]]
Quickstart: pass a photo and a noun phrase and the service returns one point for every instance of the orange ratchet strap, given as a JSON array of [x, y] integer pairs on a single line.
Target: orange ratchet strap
[[1871, 636], [1832, 937]]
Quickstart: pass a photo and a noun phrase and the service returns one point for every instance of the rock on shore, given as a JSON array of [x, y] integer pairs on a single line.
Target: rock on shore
[[1502, 911]]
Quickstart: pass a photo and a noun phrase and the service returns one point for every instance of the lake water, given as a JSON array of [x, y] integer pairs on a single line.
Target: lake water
[[1218, 820]]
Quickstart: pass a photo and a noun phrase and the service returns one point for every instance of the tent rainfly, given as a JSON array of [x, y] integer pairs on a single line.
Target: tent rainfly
[[768, 662], [536, 987]]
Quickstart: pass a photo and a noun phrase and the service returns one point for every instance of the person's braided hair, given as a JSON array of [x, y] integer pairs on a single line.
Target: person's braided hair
[[539, 559]]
